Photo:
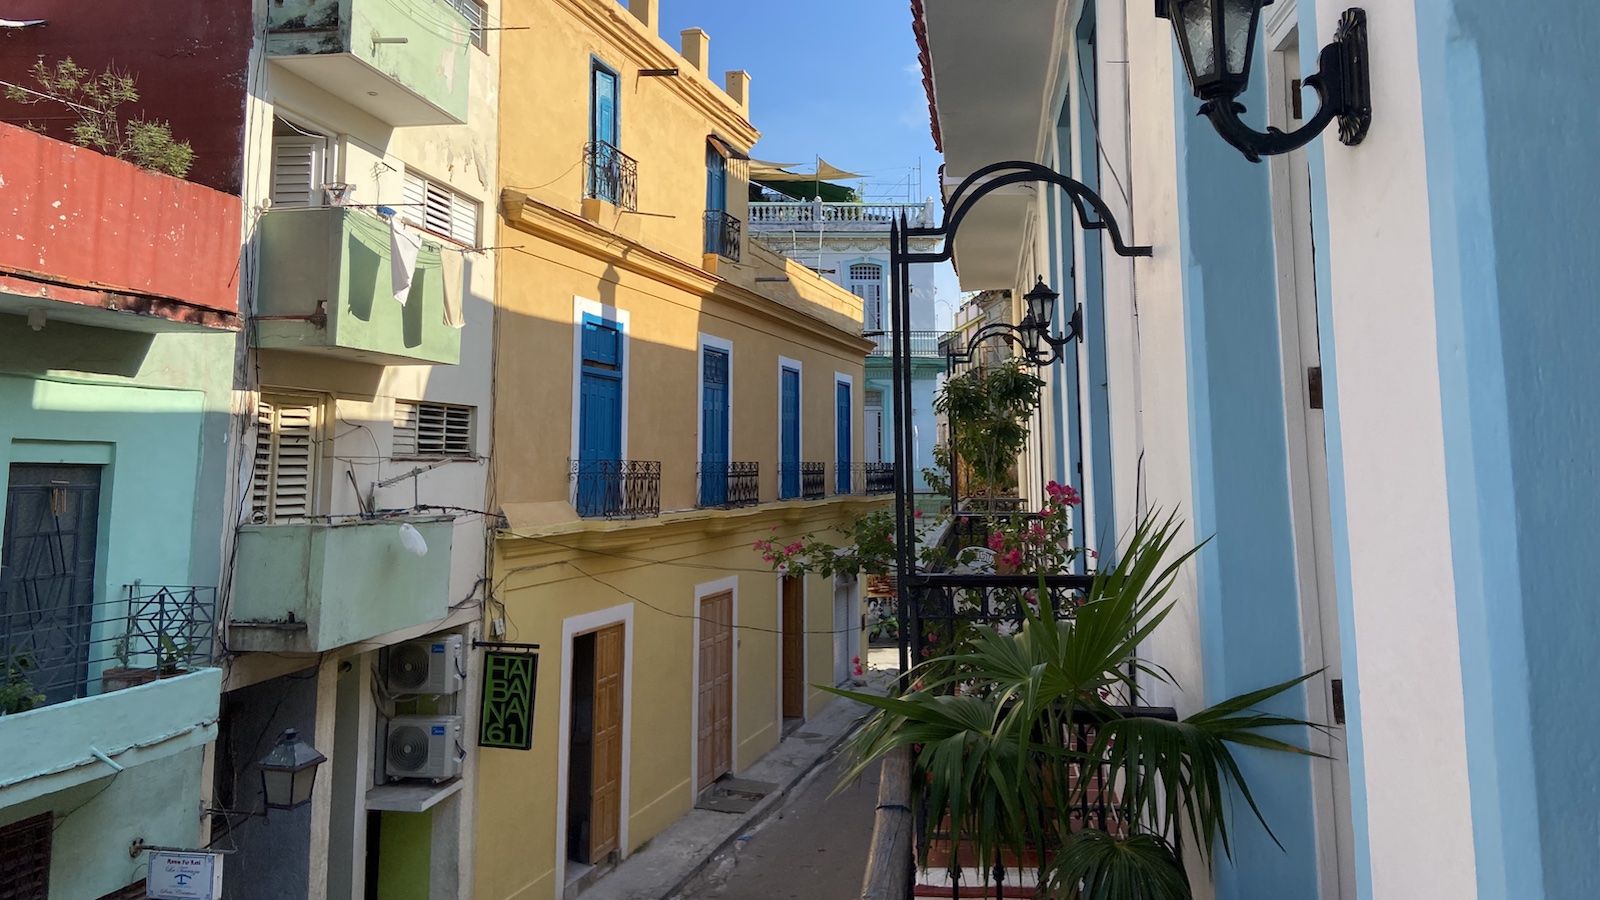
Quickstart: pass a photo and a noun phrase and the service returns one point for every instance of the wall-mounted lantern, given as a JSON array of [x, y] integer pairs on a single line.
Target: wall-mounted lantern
[[1032, 333], [1217, 39], [289, 771]]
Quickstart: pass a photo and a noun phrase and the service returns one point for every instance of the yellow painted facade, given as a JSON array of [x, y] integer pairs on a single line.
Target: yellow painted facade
[[557, 575]]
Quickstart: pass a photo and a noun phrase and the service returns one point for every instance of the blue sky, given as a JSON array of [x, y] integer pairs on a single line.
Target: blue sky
[[845, 87]]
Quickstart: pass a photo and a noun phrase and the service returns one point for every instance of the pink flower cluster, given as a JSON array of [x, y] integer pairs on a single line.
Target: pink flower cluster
[[771, 552], [1063, 494], [855, 662]]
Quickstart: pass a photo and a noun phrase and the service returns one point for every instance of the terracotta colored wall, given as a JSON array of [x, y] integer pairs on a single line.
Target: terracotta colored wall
[[189, 57]]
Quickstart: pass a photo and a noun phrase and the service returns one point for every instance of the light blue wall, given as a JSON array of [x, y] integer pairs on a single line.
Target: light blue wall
[[1067, 461], [1512, 186], [1249, 603], [924, 384]]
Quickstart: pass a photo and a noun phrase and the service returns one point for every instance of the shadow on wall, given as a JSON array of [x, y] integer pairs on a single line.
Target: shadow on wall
[[66, 346], [273, 858]]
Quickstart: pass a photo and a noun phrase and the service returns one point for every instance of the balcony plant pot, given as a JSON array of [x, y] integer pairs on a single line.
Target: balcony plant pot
[[119, 677]]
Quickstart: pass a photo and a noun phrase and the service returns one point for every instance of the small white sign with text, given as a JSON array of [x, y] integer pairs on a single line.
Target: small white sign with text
[[184, 875]]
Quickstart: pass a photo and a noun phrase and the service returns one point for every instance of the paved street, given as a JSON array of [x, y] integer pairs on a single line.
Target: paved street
[[814, 848]]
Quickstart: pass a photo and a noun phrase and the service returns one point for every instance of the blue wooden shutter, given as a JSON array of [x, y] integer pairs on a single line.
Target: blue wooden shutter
[[714, 429], [789, 422], [716, 180], [599, 415], [842, 436]]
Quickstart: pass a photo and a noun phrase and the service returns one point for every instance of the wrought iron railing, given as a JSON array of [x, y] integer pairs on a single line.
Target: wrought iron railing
[[924, 344], [730, 484], [616, 489], [610, 175], [877, 477], [813, 480], [54, 653], [723, 234], [804, 213]]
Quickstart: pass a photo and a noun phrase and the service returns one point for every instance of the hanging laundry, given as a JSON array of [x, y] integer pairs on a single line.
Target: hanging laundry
[[452, 266], [403, 249]]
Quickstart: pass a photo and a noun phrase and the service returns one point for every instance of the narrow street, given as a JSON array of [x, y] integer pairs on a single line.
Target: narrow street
[[813, 848]]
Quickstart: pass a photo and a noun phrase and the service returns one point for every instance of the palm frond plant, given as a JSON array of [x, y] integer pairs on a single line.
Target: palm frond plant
[[1011, 732]]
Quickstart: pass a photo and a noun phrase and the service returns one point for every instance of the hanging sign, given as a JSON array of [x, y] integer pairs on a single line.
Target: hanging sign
[[184, 875], [508, 683]]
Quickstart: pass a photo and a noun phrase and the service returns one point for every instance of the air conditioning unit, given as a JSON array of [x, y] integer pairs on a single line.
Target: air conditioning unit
[[431, 747], [429, 666]]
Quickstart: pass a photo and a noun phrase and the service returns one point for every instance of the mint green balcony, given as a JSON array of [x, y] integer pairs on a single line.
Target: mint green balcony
[[315, 586], [64, 745], [404, 61], [325, 288]]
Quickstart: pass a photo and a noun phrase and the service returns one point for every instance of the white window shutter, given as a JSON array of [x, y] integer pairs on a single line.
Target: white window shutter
[[415, 197], [297, 165], [464, 220], [405, 429], [283, 485], [432, 430]]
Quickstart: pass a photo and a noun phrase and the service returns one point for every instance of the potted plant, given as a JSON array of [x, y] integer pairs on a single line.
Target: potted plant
[[17, 693], [123, 675]]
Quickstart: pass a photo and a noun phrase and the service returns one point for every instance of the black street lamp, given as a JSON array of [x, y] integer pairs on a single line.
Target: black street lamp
[[1217, 39]]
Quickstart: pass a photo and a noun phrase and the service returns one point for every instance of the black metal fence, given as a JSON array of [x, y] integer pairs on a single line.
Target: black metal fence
[[610, 175], [813, 480], [723, 233], [616, 489], [873, 478], [54, 653], [730, 484]]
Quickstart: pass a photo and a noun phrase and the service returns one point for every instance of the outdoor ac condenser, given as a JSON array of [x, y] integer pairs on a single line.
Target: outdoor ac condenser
[[431, 747], [430, 666]]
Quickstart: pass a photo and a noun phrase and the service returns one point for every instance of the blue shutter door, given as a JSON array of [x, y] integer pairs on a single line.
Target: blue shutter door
[[600, 418], [789, 420], [716, 180], [841, 476], [603, 130], [714, 430]]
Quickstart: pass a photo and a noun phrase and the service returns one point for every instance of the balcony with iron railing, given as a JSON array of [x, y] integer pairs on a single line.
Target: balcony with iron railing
[[724, 235], [84, 684], [924, 344], [729, 485], [875, 478], [610, 175], [616, 489], [815, 215]]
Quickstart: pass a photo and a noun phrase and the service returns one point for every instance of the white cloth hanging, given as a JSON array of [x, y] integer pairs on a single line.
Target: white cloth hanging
[[403, 249], [451, 268]]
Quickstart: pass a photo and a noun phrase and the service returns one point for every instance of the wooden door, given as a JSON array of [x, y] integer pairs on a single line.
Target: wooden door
[[606, 792], [794, 643], [715, 734]]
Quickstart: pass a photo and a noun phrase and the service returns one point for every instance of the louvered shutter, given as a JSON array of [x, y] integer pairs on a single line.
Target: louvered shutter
[[405, 429], [415, 197], [297, 163], [25, 858], [464, 220], [286, 458]]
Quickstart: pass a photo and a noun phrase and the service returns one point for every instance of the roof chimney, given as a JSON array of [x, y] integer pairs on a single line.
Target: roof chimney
[[738, 87], [697, 48], [647, 11]]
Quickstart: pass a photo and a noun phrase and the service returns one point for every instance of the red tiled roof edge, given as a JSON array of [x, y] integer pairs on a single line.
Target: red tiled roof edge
[[919, 27]]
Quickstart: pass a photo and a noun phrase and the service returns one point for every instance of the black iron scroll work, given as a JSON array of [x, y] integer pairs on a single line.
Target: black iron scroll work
[[978, 185], [509, 679]]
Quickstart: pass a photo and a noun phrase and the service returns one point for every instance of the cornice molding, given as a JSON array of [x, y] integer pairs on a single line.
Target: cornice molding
[[531, 216], [611, 19], [579, 535]]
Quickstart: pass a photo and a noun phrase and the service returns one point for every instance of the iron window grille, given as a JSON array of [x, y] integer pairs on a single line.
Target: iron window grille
[[70, 651], [616, 489], [729, 485], [723, 234], [876, 477], [610, 175]]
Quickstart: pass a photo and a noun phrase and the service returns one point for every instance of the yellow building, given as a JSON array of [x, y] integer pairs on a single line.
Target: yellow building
[[667, 393]]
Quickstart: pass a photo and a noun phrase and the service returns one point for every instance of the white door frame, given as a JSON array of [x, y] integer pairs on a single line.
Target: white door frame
[[572, 627]]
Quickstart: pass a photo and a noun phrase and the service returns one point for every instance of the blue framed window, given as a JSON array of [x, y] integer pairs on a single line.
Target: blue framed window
[[599, 414], [604, 128], [714, 427], [842, 437], [789, 434]]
